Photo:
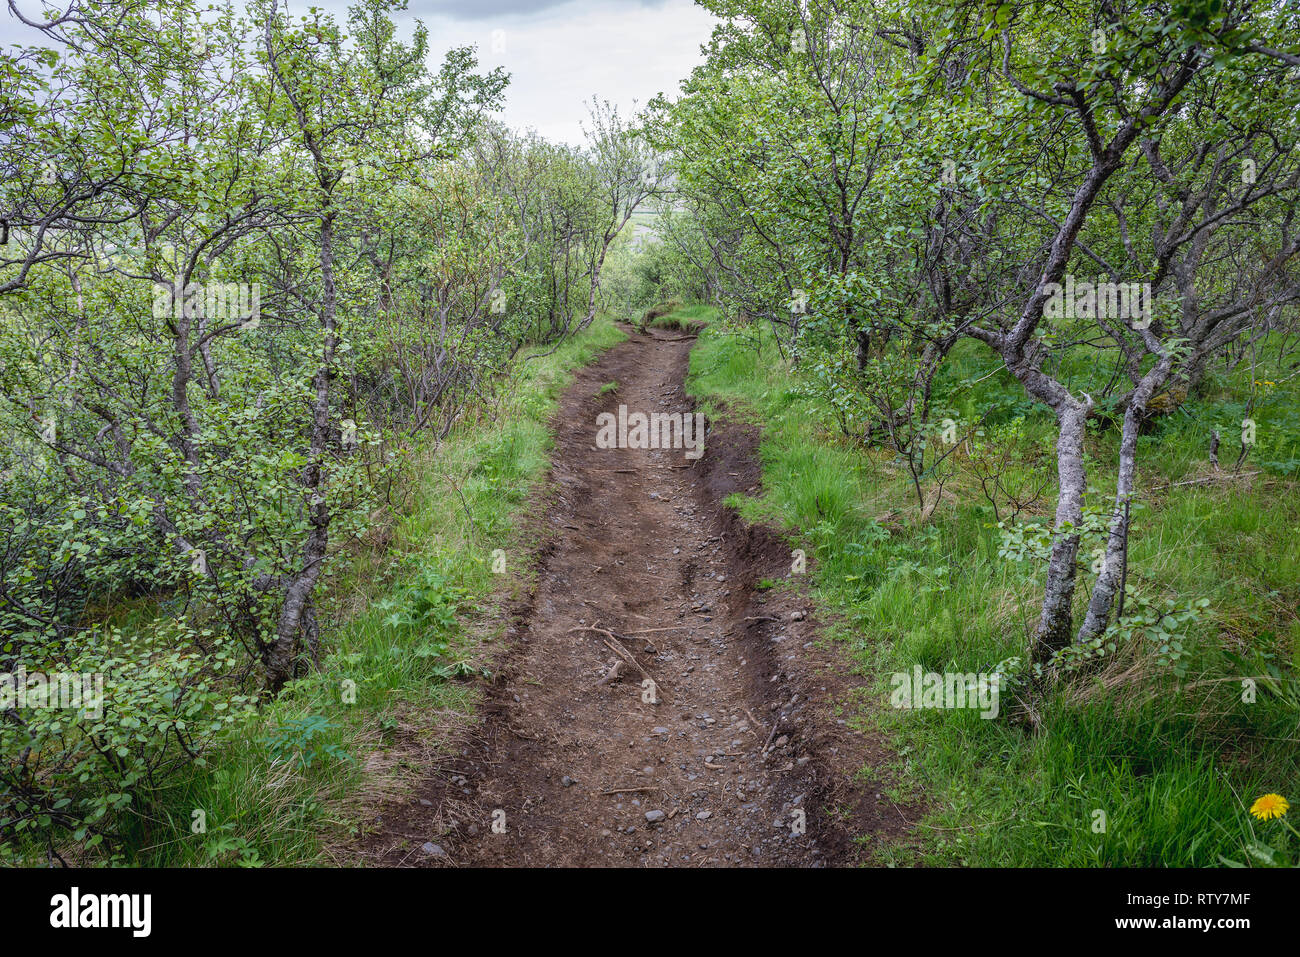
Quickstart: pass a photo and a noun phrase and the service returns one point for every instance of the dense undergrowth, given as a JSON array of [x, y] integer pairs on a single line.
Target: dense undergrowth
[[1151, 755], [410, 616]]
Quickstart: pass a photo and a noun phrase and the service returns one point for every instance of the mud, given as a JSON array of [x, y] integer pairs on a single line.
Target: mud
[[656, 703]]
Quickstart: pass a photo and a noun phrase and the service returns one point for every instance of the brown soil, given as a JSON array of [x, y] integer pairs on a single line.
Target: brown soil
[[745, 732]]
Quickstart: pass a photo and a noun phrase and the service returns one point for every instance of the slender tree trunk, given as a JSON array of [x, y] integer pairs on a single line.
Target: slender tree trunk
[[1108, 581], [1055, 623], [181, 375], [595, 281], [862, 338], [282, 652]]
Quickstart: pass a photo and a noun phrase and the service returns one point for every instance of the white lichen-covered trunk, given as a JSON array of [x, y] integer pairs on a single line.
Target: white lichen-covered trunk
[[1109, 578]]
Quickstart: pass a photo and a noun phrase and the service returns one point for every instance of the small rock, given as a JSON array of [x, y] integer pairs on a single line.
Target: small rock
[[704, 815], [433, 850], [567, 781], [654, 817]]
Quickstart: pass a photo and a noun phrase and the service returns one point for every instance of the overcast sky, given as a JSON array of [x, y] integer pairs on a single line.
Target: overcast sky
[[559, 52]]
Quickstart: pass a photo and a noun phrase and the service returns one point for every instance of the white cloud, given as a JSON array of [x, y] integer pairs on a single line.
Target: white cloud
[[560, 53], [484, 9], [563, 55]]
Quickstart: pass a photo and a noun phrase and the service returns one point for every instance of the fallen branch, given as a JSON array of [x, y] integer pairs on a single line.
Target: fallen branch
[[614, 673], [1222, 477], [616, 646]]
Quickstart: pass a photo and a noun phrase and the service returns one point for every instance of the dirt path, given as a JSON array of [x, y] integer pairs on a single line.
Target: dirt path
[[739, 761]]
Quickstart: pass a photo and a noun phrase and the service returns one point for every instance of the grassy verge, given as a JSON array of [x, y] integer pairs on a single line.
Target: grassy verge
[[678, 318], [1150, 758], [412, 616], [687, 319]]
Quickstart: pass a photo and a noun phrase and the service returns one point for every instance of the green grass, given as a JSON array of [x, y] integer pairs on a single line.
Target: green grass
[[1172, 762], [686, 319], [406, 622]]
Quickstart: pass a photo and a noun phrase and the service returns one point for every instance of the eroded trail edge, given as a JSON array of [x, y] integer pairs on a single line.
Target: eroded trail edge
[[741, 759]]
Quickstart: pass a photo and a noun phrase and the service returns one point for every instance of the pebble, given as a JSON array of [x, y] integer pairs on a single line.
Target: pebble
[[654, 817], [433, 850]]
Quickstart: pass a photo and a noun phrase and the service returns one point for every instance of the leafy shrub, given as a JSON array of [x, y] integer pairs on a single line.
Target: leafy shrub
[[430, 604], [67, 774], [305, 739]]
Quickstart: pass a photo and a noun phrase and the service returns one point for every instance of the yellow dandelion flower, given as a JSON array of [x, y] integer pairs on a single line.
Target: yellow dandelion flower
[[1269, 806]]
